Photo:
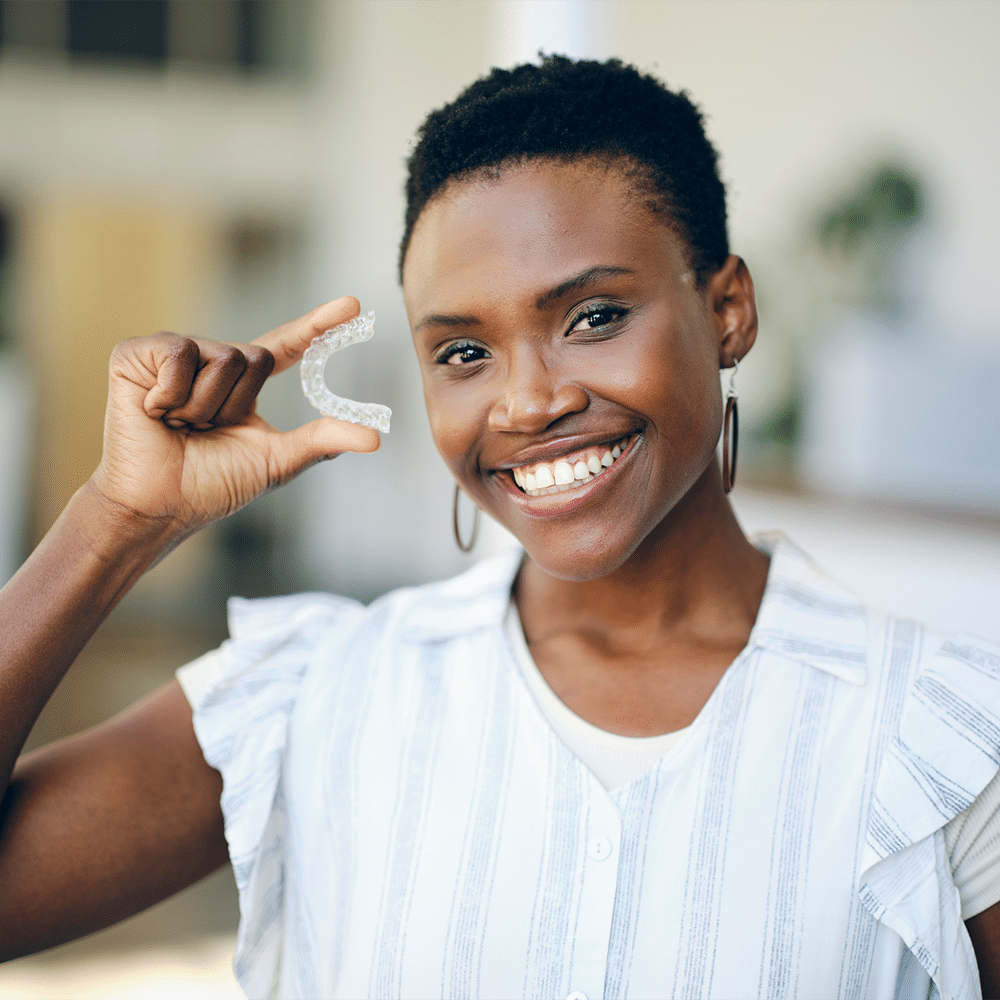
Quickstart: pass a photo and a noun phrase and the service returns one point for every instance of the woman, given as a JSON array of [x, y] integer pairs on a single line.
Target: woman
[[646, 758]]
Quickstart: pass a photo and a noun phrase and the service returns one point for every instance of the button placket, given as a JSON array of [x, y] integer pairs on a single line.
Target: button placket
[[599, 863]]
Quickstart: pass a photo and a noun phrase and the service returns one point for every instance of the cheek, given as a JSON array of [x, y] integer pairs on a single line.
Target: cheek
[[697, 422], [454, 428], [670, 377], [446, 436]]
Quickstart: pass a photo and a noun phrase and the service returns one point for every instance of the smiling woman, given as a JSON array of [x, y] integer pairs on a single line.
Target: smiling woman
[[555, 315], [644, 756]]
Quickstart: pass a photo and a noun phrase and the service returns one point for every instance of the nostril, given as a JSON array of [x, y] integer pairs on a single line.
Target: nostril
[[535, 407]]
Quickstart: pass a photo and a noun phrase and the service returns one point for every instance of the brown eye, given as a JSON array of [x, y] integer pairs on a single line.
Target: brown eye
[[596, 318], [462, 353]]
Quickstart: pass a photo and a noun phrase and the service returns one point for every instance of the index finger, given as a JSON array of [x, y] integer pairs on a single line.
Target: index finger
[[288, 342]]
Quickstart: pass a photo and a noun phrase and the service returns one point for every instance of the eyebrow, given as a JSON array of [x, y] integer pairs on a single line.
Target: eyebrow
[[446, 319], [589, 277], [577, 281]]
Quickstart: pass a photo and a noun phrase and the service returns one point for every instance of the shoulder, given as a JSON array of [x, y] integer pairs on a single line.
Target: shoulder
[[274, 641], [930, 701], [948, 736], [471, 600], [808, 613], [938, 731], [947, 685], [474, 600]]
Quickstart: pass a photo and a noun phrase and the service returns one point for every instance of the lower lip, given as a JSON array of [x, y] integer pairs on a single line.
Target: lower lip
[[560, 503]]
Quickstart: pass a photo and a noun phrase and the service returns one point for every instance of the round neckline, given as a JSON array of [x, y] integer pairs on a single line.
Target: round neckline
[[560, 712]]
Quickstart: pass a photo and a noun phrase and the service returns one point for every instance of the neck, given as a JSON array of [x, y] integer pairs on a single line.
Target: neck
[[694, 574]]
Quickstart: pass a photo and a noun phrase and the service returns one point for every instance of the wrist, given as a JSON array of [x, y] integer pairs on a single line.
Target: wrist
[[116, 535]]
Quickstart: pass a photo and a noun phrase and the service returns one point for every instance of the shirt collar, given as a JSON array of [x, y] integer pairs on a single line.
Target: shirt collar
[[473, 600], [804, 615]]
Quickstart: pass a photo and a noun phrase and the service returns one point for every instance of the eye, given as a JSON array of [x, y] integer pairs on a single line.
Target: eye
[[462, 352], [599, 316]]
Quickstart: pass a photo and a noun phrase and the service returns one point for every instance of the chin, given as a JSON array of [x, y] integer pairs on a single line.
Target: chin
[[578, 561]]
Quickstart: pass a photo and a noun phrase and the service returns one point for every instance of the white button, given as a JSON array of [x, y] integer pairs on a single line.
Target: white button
[[577, 996], [599, 848]]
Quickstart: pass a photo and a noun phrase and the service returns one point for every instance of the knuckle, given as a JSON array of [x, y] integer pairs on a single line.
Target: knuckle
[[177, 347], [259, 358], [232, 359]]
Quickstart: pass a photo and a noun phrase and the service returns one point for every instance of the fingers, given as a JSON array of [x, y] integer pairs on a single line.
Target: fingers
[[242, 397], [321, 439], [204, 384], [288, 342]]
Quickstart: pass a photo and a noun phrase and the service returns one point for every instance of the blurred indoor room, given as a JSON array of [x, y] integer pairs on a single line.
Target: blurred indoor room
[[213, 167]]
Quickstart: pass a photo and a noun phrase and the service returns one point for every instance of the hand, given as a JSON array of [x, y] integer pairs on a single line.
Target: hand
[[182, 438]]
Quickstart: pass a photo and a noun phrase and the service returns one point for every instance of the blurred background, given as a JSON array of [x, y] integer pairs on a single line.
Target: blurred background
[[213, 167]]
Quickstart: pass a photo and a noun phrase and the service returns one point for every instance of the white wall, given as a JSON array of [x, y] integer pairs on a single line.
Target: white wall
[[802, 95], [381, 519]]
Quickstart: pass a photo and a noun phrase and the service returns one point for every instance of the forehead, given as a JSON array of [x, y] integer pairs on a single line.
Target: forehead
[[528, 229]]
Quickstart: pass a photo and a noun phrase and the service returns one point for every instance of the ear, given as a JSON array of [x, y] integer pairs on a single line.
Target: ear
[[731, 299]]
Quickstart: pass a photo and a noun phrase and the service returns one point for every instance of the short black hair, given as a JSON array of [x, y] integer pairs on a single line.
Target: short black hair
[[568, 110]]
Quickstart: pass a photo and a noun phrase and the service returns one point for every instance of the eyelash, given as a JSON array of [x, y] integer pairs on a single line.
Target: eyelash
[[617, 314], [457, 348]]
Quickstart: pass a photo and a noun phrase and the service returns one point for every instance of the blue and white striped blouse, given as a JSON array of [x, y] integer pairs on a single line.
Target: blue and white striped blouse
[[403, 822]]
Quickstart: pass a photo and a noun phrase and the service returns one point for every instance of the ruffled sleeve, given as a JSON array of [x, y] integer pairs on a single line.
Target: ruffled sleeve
[[947, 750], [243, 696]]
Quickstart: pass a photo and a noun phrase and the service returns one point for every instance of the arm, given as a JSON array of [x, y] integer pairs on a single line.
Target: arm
[[110, 821], [106, 823], [984, 929]]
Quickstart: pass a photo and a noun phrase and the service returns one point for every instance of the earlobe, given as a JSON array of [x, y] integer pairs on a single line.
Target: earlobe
[[735, 310]]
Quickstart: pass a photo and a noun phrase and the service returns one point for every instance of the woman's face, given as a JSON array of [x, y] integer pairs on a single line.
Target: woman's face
[[570, 364]]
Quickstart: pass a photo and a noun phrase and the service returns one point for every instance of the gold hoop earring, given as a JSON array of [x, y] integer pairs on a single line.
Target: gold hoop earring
[[730, 433], [454, 521]]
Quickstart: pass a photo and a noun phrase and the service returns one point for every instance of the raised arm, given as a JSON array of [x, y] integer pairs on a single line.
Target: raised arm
[[110, 821]]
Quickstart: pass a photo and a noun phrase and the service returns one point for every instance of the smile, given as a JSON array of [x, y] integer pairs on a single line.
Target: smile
[[570, 471]]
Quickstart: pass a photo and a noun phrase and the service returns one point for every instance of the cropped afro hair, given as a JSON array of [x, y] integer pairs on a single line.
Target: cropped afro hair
[[566, 110]]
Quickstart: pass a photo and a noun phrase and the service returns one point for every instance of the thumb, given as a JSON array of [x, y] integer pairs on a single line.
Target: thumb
[[320, 439], [288, 342]]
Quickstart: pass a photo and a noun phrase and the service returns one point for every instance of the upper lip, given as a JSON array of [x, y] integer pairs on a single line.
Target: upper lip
[[548, 451]]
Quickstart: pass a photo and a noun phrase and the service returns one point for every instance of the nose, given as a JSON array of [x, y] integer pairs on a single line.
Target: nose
[[533, 397]]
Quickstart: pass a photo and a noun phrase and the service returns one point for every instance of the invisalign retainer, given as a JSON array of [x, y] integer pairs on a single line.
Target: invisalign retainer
[[314, 385]]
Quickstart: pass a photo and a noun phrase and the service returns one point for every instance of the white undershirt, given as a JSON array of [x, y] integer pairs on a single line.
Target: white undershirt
[[972, 838], [615, 760]]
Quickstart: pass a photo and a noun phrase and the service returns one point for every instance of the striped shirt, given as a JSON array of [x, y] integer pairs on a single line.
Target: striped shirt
[[403, 821]]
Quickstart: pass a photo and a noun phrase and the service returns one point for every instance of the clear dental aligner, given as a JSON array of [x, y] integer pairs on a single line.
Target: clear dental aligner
[[314, 384]]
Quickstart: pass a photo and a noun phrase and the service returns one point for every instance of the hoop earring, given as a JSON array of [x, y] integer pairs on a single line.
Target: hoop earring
[[454, 521], [730, 433]]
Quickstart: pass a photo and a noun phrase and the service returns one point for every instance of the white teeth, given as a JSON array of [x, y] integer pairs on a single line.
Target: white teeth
[[564, 473], [543, 477]]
